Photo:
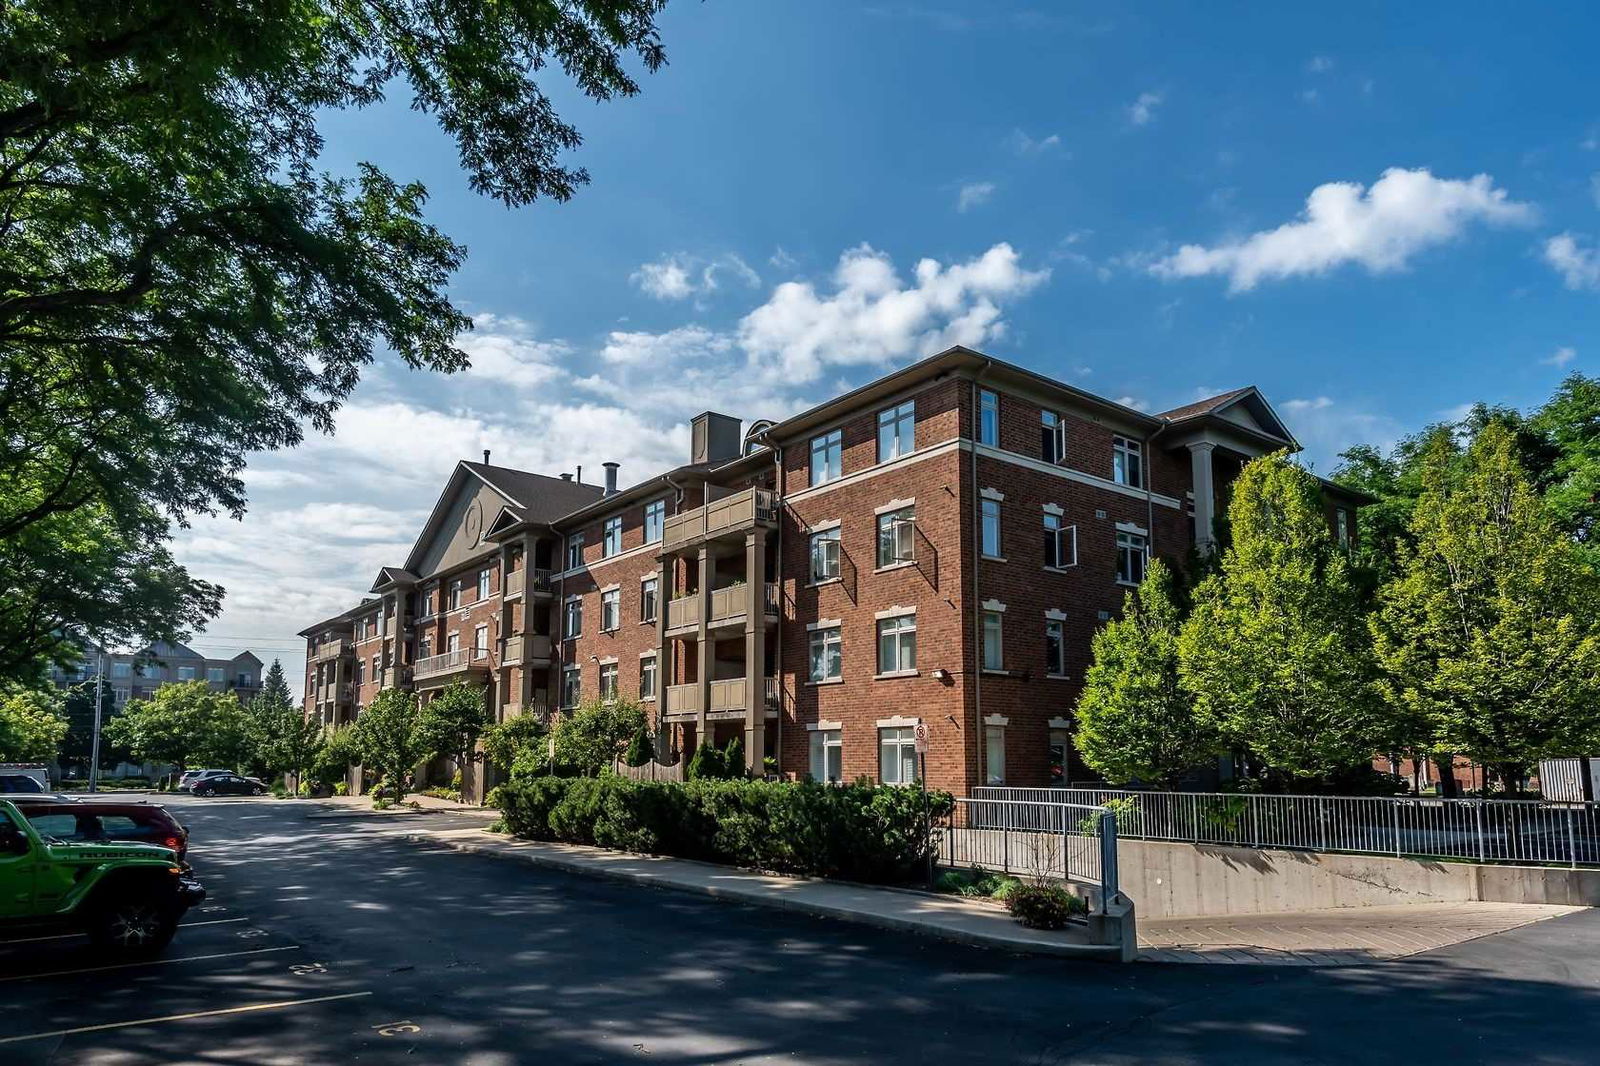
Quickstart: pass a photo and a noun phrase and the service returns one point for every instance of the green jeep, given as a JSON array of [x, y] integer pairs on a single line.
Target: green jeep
[[127, 897]]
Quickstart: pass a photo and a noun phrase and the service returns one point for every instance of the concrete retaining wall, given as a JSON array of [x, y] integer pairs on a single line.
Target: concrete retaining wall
[[1179, 880]]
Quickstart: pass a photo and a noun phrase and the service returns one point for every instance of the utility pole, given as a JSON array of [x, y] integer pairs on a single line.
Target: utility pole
[[94, 747]]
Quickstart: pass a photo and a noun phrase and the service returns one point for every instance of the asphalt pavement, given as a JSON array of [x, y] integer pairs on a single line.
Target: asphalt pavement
[[332, 940]]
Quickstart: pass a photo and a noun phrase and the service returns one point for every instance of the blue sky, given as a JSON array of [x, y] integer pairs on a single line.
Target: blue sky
[[810, 194]]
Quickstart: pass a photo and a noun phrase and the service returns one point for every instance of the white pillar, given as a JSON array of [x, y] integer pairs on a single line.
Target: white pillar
[[1205, 501]]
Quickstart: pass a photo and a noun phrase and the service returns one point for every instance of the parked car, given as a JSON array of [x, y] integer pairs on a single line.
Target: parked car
[[128, 897], [186, 783], [95, 819], [37, 771], [229, 785], [20, 784]]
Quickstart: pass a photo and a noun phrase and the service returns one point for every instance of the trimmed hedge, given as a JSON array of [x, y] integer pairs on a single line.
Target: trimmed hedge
[[855, 832]]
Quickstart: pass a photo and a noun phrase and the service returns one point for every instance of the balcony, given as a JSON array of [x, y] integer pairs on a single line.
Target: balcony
[[729, 605], [527, 649], [727, 697], [394, 676], [332, 649], [738, 513], [436, 670], [519, 581]]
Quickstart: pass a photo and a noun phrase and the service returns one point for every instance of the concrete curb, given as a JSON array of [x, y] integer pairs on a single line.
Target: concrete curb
[[1023, 942]]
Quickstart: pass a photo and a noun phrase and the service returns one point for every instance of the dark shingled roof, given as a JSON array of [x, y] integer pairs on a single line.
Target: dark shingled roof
[[1203, 407], [538, 497]]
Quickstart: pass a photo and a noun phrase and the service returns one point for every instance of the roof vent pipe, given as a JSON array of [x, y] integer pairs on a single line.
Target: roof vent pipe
[[566, 477], [486, 457], [611, 478], [580, 475]]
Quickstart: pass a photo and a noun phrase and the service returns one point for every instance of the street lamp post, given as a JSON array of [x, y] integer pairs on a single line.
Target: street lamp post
[[94, 745]]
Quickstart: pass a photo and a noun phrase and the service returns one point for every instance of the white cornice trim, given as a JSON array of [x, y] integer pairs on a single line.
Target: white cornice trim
[[1067, 473], [653, 547], [873, 471]]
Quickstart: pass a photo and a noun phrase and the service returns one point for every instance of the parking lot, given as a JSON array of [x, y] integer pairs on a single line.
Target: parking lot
[[336, 939]]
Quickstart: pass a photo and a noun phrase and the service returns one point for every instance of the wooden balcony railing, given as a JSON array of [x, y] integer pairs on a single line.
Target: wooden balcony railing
[[727, 694], [524, 648], [332, 649], [727, 604], [739, 511]]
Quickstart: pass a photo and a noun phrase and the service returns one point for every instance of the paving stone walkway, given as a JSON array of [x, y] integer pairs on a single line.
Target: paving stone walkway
[[1340, 937]]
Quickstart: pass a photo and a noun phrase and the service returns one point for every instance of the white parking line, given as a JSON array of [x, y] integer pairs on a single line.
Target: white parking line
[[280, 1005], [146, 962], [69, 936]]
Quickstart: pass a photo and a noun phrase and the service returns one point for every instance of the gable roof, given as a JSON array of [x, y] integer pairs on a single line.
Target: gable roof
[[1261, 421], [538, 497], [392, 575], [1210, 405]]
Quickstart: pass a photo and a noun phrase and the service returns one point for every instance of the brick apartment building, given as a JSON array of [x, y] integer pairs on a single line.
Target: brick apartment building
[[935, 547]]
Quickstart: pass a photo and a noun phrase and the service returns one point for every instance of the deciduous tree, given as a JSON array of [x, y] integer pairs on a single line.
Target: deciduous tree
[[1489, 630], [186, 724], [1276, 651], [452, 722], [1136, 720], [32, 725], [389, 741], [592, 737]]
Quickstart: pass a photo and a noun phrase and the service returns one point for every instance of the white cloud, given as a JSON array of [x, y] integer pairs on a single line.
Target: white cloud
[[1578, 266], [1594, 187], [1560, 357], [1142, 111], [503, 350], [974, 194], [873, 317], [1024, 145], [1319, 64], [635, 348], [1136, 402], [1318, 404], [678, 276], [1325, 427], [1381, 228]]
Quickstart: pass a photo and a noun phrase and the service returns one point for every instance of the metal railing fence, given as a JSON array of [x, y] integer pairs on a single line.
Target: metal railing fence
[[1070, 841], [1530, 832]]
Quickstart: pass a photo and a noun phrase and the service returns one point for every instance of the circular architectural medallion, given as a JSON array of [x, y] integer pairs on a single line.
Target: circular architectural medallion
[[472, 525]]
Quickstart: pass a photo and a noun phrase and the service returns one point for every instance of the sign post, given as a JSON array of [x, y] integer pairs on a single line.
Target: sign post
[[919, 735]]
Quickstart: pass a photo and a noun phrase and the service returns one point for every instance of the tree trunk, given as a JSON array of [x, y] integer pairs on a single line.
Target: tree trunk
[[1445, 764]]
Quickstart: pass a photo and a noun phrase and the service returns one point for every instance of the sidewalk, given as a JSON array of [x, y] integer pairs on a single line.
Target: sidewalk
[[945, 917]]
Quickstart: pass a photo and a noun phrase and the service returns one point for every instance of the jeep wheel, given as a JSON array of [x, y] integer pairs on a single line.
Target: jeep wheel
[[141, 924]]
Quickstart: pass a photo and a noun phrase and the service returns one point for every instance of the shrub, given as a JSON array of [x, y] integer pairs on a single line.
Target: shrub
[[858, 832], [705, 764], [1042, 906], [640, 749]]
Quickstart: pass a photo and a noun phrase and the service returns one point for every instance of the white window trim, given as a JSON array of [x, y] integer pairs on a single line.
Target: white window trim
[[1052, 614], [1058, 723], [891, 675], [994, 605], [894, 612], [992, 494], [899, 721], [825, 623], [825, 727], [996, 719], [892, 505], [825, 526], [1132, 527]]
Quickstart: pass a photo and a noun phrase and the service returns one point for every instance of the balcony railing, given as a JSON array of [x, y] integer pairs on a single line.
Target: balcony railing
[[332, 649], [730, 603], [526, 648], [726, 695], [514, 582], [740, 511], [451, 662]]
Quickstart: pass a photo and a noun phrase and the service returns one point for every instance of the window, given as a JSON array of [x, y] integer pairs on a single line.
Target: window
[[827, 457], [452, 643], [480, 642], [1052, 437], [574, 621], [1060, 543], [121, 669], [988, 418], [214, 673], [608, 681], [1131, 557], [897, 431], [185, 673], [575, 551], [455, 595], [655, 520], [827, 654], [610, 610], [483, 583], [425, 604], [361, 671], [1058, 756], [897, 756], [897, 644], [825, 555], [993, 649], [1341, 525], [647, 599], [647, 678], [1055, 648], [611, 537], [424, 647], [994, 754], [1127, 462], [897, 533], [571, 686], [989, 527], [827, 756]]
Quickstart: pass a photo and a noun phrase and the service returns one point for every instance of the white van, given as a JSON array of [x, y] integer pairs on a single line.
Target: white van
[[36, 770]]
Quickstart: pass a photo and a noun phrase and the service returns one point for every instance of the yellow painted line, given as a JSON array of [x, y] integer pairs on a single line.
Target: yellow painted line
[[147, 962], [280, 1005], [69, 936]]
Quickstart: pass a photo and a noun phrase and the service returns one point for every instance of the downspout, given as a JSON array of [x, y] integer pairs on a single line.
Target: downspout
[[980, 773]]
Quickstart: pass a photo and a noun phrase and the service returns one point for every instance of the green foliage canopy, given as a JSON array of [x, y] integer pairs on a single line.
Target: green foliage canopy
[[184, 723], [592, 737], [388, 740], [32, 725]]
